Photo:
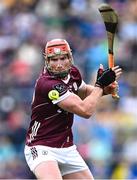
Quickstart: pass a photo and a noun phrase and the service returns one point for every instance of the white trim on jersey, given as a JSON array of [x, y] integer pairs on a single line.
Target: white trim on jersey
[[34, 130], [64, 96]]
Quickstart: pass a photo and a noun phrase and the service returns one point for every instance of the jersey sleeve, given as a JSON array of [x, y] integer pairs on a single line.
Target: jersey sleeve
[[64, 96], [46, 85]]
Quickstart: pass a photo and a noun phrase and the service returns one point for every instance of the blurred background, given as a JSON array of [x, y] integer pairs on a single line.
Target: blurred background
[[107, 141]]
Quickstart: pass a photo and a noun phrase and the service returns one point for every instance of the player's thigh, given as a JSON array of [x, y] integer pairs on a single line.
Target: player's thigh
[[85, 174], [47, 170]]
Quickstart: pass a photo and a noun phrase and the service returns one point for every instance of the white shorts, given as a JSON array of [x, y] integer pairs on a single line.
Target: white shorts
[[69, 159]]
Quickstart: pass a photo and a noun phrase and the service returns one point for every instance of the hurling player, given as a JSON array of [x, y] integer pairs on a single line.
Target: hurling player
[[60, 93]]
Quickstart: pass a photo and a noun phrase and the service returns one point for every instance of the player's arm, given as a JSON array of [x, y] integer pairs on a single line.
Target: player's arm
[[85, 91], [84, 108], [87, 106]]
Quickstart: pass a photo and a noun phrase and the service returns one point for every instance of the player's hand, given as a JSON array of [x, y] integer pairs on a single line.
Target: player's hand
[[106, 77], [118, 72], [111, 89], [100, 71]]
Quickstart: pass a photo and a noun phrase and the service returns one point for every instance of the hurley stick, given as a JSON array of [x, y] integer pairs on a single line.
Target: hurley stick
[[110, 19]]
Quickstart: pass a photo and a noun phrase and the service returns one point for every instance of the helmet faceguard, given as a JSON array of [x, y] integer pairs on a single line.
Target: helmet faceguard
[[55, 48]]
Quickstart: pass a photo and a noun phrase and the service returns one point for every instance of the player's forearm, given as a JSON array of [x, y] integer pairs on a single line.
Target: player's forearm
[[85, 91], [90, 102], [84, 108], [89, 89]]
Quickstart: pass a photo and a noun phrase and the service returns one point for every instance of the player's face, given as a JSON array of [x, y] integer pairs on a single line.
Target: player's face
[[59, 63]]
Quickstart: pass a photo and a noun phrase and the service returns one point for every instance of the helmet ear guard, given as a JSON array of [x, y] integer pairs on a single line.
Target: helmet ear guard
[[57, 47]]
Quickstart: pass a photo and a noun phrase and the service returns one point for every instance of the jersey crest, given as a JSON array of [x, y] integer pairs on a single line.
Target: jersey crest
[[60, 88]]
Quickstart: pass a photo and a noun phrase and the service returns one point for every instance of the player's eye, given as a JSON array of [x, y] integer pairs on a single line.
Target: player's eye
[[62, 58], [54, 59]]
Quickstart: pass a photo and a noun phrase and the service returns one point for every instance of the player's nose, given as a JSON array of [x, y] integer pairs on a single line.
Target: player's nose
[[59, 64]]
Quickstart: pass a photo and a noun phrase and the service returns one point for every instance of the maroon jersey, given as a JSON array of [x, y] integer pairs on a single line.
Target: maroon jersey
[[50, 125]]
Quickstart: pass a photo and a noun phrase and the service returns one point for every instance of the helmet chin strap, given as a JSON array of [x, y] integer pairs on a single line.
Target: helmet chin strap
[[62, 74]]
